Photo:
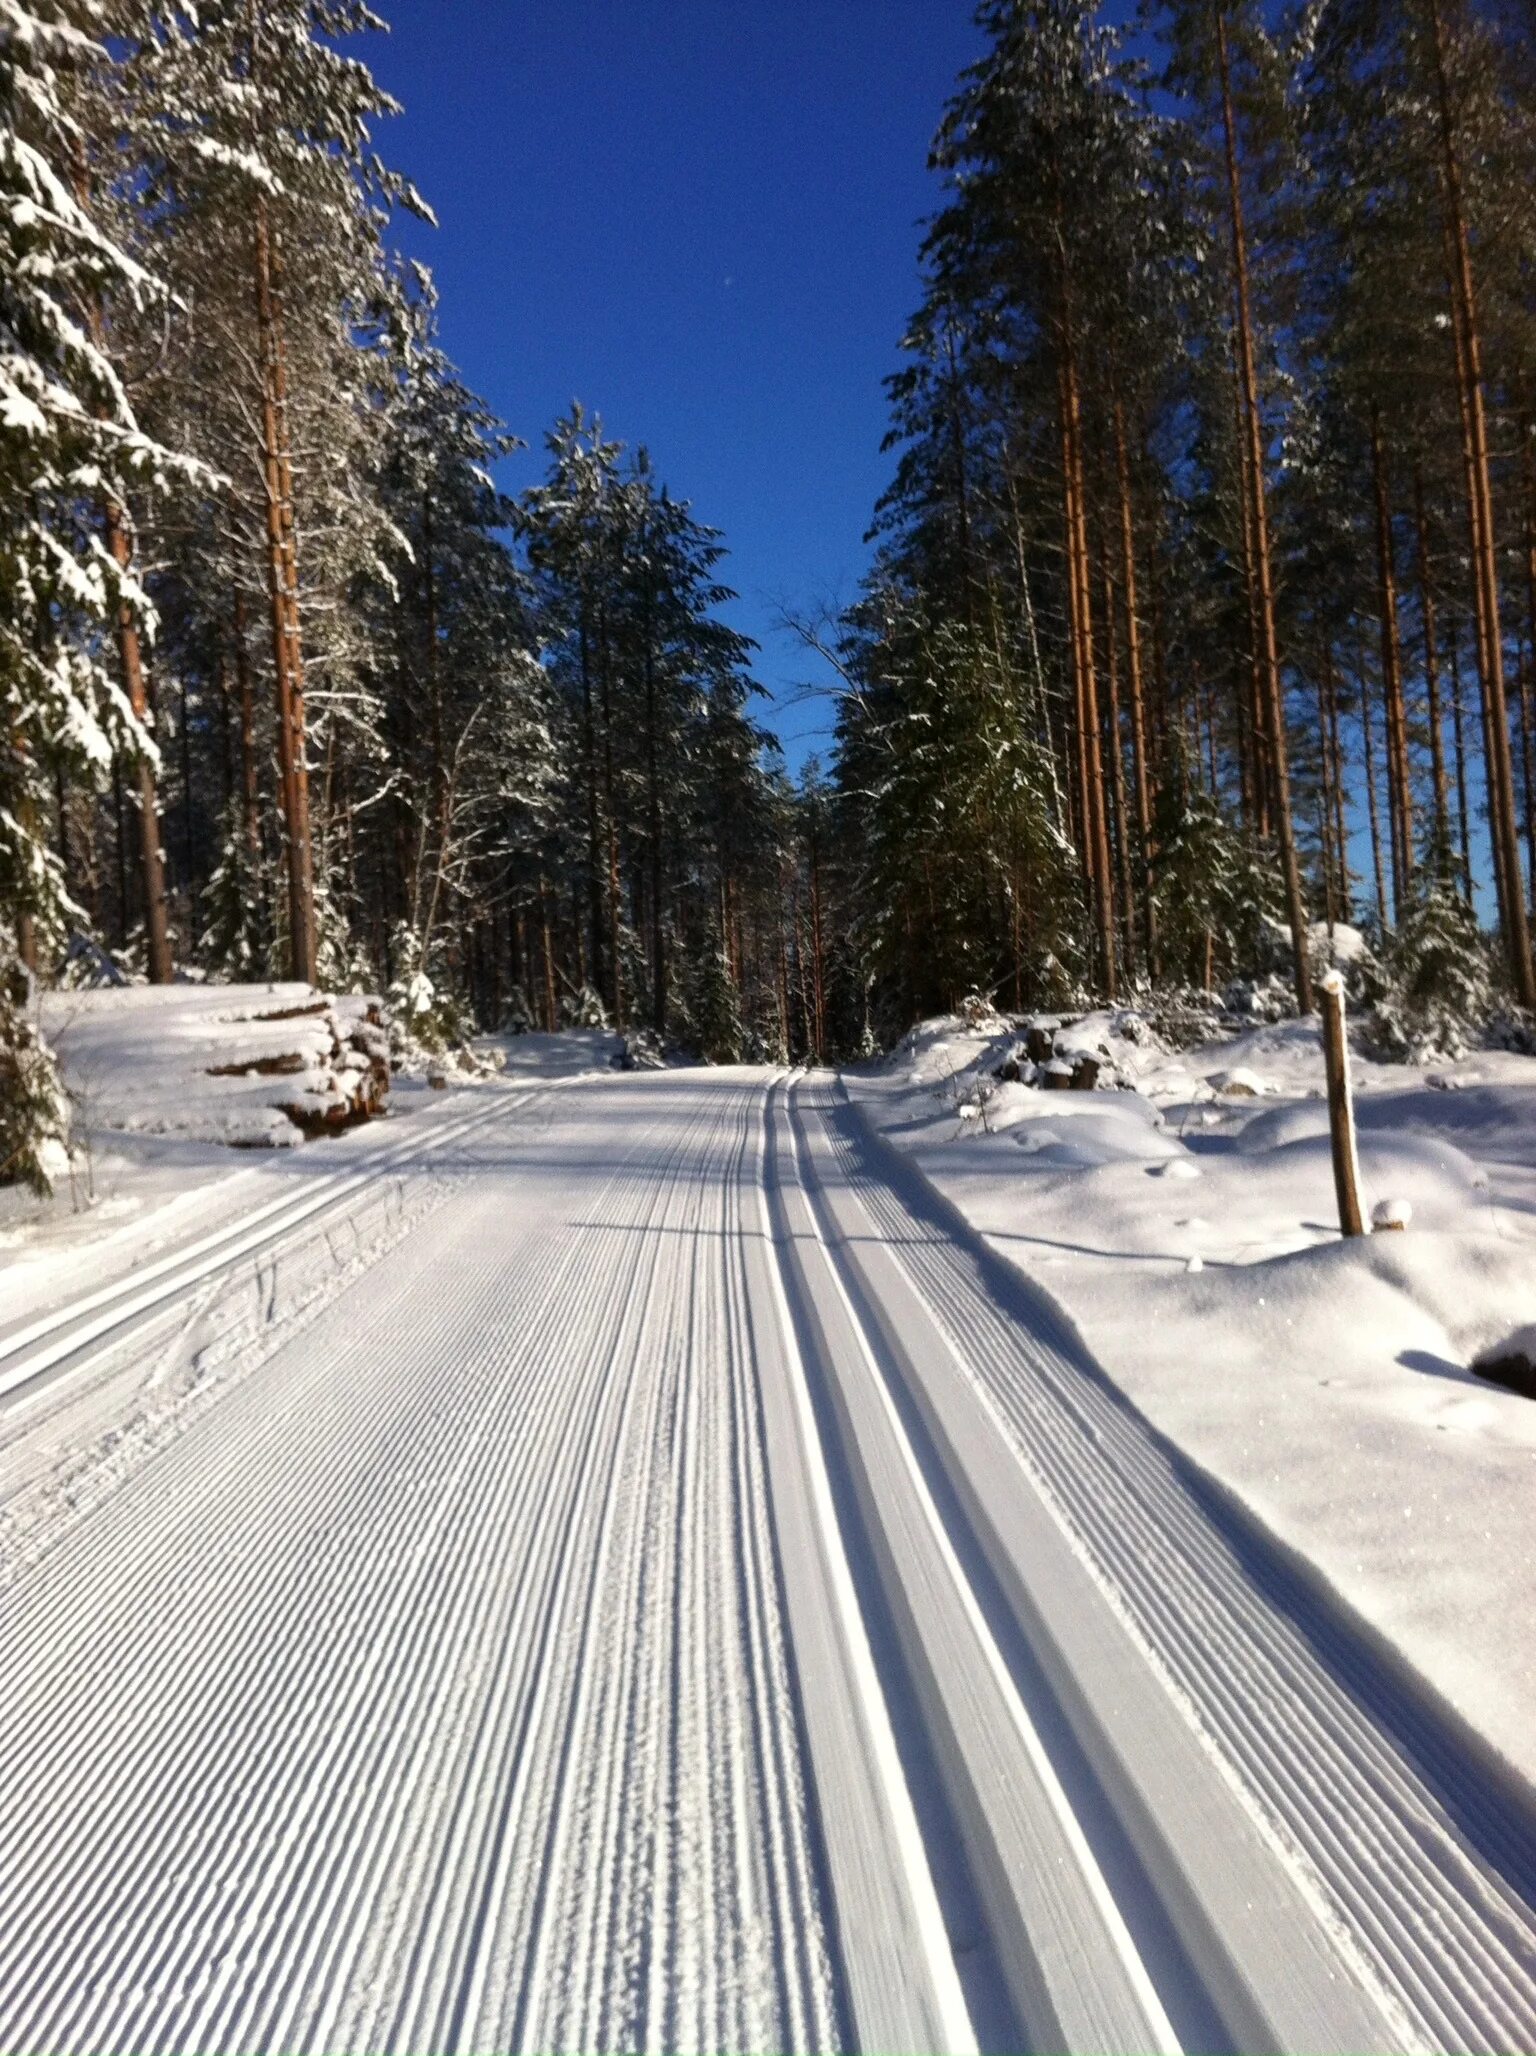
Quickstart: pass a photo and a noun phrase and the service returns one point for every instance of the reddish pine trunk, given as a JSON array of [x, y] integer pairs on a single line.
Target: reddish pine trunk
[[283, 599], [1431, 670], [1399, 790], [1092, 809], [1270, 680], [157, 939], [1490, 639], [1134, 680]]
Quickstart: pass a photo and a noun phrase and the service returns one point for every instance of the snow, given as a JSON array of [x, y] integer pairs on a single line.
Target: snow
[[573, 1053], [211, 1063], [692, 1594], [1328, 1385], [157, 1163]]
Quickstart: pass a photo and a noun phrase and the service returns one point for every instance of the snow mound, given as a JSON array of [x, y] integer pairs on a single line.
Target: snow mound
[[1238, 1083]]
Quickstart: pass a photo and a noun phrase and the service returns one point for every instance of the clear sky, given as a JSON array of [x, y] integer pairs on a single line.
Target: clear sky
[[699, 217]]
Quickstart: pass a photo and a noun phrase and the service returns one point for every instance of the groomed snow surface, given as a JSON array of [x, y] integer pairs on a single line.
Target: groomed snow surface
[[634, 1568]]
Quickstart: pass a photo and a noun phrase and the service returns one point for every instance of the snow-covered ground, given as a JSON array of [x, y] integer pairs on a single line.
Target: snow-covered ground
[[673, 1586], [180, 1098], [1188, 1229]]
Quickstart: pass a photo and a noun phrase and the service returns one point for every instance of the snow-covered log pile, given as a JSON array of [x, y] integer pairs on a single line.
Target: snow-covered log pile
[[252, 1066]]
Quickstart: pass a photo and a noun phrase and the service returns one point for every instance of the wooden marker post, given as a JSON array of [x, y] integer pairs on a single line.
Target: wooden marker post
[[1341, 1106]]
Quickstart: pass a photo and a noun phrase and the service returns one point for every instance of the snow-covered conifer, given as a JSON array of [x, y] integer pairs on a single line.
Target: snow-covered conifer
[[69, 444]]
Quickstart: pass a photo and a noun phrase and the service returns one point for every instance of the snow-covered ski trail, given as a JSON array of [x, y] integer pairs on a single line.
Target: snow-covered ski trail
[[431, 1693], [690, 1595]]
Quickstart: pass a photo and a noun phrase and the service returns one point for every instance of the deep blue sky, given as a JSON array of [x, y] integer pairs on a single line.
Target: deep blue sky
[[700, 217]]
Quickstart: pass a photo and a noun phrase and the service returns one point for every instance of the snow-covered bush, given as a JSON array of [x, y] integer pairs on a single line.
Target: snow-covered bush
[[1214, 885], [584, 1009], [1431, 994], [714, 1011], [515, 1016], [978, 1013], [87, 967], [236, 942], [425, 1020], [640, 1050], [34, 1113]]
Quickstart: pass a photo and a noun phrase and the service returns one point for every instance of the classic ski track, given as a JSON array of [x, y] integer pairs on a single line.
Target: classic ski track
[[229, 1619], [50, 1353], [303, 1868], [1059, 1944], [490, 1668], [147, 1387], [1451, 1943]]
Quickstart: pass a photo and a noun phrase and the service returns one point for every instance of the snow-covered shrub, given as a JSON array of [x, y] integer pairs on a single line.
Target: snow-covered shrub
[[764, 1040], [425, 1020], [714, 1011], [584, 1009], [87, 967], [341, 962], [1183, 1016], [34, 1113], [978, 1013], [236, 942], [1432, 992], [1214, 885], [515, 1016], [640, 1050]]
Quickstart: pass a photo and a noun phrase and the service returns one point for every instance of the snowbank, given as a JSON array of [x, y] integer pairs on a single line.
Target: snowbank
[[572, 1053], [1187, 1227]]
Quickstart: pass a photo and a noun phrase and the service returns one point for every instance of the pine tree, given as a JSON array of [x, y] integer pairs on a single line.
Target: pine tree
[[713, 1008], [68, 442]]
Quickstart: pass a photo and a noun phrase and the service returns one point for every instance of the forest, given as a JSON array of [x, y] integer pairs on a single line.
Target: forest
[[1201, 610]]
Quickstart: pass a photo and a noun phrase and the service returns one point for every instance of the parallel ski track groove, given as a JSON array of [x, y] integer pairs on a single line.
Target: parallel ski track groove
[[1089, 1972], [1390, 1867], [118, 1310], [367, 1837], [132, 1801]]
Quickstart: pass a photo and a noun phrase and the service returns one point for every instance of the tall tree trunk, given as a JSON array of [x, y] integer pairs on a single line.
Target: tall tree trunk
[[1527, 684], [188, 820], [1459, 740], [1093, 821], [157, 942], [1468, 337], [610, 817], [1133, 668], [1372, 808], [1325, 805], [250, 789], [157, 938], [1528, 764], [1253, 780], [120, 852], [818, 952], [551, 1010], [433, 655], [1431, 672], [653, 824], [1399, 791], [589, 767], [1116, 787], [1273, 694], [283, 599], [1336, 753]]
